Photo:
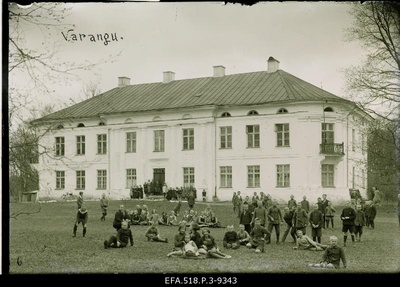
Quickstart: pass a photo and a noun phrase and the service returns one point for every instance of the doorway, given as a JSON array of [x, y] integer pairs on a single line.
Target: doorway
[[158, 179]]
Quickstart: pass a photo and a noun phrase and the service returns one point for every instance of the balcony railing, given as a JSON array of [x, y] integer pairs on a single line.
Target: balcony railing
[[331, 148]]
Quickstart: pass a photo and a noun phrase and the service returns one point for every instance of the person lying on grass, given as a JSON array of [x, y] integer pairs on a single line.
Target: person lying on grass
[[124, 234], [189, 250], [210, 246], [153, 234], [332, 256], [304, 242]]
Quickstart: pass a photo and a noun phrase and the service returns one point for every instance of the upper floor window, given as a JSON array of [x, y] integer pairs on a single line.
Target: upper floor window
[[252, 113], [60, 146], [282, 111], [253, 135], [328, 109], [188, 139], [328, 134], [282, 134], [225, 114], [81, 125], [131, 142], [102, 144], [159, 140], [80, 145], [226, 137]]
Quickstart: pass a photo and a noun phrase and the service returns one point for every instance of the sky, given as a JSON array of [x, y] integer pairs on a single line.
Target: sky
[[189, 38]]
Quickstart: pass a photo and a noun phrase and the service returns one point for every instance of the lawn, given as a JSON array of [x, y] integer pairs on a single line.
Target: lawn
[[42, 243]]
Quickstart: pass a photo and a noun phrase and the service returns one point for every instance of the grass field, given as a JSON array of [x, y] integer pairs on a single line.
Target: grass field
[[42, 243]]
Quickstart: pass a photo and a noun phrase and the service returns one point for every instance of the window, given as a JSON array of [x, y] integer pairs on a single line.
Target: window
[[283, 175], [252, 113], [131, 142], [159, 140], [188, 139], [282, 134], [282, 111], [362, 178], [353, 140], [188, 176], [363, 143], [60, 179], [226, 114], [102, 144], [102, 123], [327, 175], [60, 146], [80, 179], [101, 179], [226, 176], [130, 177], [226, 137], [60, 127], [80, 125], [327, 133], [80, 145], [253, 176], [353, 178], [328, 109], [253, 136]]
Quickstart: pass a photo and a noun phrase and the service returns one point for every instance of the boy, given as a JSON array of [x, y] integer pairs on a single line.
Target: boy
[[243, 235], [288, 217], [274, 221], [359, 222], [348, 215], [257, 234], [316, 221], [332, 256], [79, 200], [81, 217], [304, 242], [124, 234], [153, 234], [103, 206], [231, 239]]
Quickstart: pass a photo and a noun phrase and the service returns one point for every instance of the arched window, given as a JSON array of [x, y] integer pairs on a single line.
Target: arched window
[[102, 123], [252, 113], [186, 116], [60, 127], [282, 111], [328, 109], [81, 125], [128, 120], [156, 119], [225, 114]]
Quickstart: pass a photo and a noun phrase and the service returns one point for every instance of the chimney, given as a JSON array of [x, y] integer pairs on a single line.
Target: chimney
[[273, 65], [123, 82], [168, 77], [219, 71]]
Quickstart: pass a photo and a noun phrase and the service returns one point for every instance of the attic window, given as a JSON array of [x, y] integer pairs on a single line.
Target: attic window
[[128, 120], [328, 109], [156, 119], [60, 127], [81, 125], [102, 123], [252, 113], [186, 117], [282, 111], [226, 114]]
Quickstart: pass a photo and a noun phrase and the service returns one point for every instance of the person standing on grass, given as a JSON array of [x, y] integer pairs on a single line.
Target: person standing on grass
[[191, 200], [103, 206], [329, 215], [246, 217], [316, 221], [292, 202], [359, 222], [332, 256], [305, 204], [81, 217], [259, 212], [325, 203], [398, 207], [79, 200], [288, 218], [300, 219], [121, 240], [370, 214], [377, 196], [275, 220], [348, 216]]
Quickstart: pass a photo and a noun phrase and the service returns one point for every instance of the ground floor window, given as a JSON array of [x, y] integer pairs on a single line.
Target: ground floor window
[[283, 175], [327, 175], [188, 176], [60, 179], [225, 176], [102, 179], [130, 177], [253, 176]]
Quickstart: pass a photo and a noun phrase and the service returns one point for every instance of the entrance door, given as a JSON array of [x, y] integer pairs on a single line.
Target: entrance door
[[158, 179]]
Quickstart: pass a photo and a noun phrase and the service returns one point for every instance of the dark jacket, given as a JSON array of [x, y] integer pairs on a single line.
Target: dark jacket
[[350, 213], [124, 235], [316, 218], [231, 237]]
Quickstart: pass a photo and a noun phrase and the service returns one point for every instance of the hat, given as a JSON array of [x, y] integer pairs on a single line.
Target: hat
[[195, 226]]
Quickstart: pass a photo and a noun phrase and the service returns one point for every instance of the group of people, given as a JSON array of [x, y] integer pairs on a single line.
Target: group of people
[[258, 217]]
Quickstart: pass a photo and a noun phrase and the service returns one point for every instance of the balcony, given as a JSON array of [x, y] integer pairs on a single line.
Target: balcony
[[334, 149]]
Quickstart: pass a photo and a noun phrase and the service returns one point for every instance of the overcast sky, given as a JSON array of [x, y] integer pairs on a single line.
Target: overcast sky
[[190, 38]]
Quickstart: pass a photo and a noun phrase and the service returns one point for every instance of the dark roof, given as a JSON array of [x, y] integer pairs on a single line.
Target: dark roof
[[231, 90]]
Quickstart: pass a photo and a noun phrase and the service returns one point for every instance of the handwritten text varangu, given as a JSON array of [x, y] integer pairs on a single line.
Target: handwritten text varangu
[[105, 37]]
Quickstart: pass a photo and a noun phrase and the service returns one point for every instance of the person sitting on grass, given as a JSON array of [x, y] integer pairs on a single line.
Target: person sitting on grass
[[172, 219], [243, 235], [304, 242], [258, 234], [189, 250], [144, 218], [163, 219], [213, 222], [121, 240], [120, 216], [81, 217], [210, 246], [135, 217], [231, 239], [153, 234], [332, 256], [179, 239]]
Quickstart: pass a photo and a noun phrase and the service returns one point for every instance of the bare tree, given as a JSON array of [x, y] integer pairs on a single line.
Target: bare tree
[[375, 85]]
